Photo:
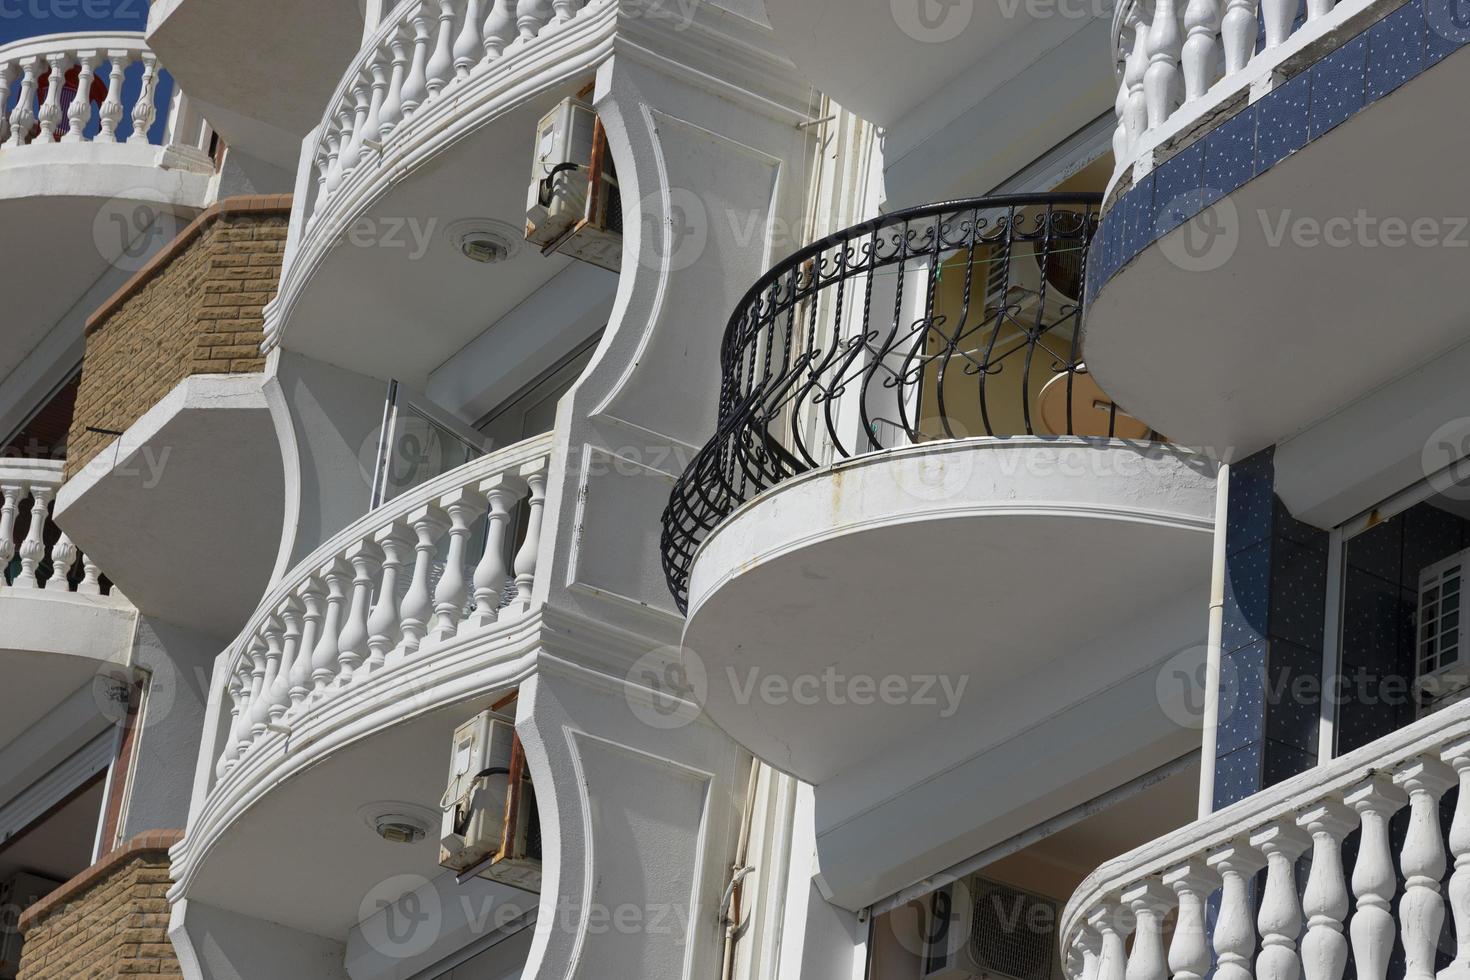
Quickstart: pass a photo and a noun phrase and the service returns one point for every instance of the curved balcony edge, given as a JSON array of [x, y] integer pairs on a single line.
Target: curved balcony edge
[[330, 651], [390, 117], [1315, 810]]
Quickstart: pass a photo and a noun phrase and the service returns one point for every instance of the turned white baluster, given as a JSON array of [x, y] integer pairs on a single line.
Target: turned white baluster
[[1121, 137], [7, 76], [500, 28], [1149, 902], [1200, 54], [323, 164], [565, 10], [23, 116], [501, 493], [383, 624], [1280, 917], [366, 559], [1161, 79], [1189, 951], [416, 85], [1421, 909], [1374, 882], [1235, 934], [259, 679], [232, 748], [531, 16], [392, 112], [33, 548], [10, 494], [1113, 923], [361, 99], [50, 115], [80, 112], [440, 69], [63, 557], [1277, 16], [337, 141], [1317, 9], [372, 141], [144, 111], [310, 598], [1089, 948], [526, 559], [418, 602], [111, 111], [277, 686], [1324, 950], [1458, 756], [462, 506], [469, 47], [1238, 31], [324, 662], [1134, 71], [91, 583]]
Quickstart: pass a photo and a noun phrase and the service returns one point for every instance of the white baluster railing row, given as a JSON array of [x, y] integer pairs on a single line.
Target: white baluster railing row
[[1179, 60], [378, 596], [1293, 934], [51, 90], [422, 50], [23, 545]]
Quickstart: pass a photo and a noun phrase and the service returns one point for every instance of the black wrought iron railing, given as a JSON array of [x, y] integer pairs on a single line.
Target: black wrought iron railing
[[946, 321]]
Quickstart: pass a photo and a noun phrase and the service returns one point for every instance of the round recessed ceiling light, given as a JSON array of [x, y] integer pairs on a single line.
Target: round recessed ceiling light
[[485, 240], [396, 822]]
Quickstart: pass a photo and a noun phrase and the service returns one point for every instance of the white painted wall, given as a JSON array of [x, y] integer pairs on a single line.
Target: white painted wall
[[214, 944]]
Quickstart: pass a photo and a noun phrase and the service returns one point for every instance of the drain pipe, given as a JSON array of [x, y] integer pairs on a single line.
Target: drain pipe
[[1211, 717], [730, 905]]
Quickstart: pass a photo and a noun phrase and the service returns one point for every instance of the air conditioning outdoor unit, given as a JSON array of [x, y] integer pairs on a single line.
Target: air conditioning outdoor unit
[[981, 928], [574, 206], [490, 824], [18, 893], [1441, 670]]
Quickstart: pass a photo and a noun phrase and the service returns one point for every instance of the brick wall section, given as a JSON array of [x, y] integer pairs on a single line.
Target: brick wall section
[[196, 308], [111, 921]]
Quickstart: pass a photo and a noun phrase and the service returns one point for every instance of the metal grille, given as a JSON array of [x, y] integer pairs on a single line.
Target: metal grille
[[1439, 616], [1012, 933]]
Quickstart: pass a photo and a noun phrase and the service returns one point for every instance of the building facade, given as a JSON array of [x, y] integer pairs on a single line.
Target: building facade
[[767, 489]]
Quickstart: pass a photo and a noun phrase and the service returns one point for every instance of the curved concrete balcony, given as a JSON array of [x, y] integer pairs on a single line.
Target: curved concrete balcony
[[342, 695], [916, 475], [1384, 892], [1274, 214], [94, 174], [427, 139], [59, 629]]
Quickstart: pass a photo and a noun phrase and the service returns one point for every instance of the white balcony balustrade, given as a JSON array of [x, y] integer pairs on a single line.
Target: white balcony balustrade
[[1297, 928], [95, 102], [24, 550], [373, 604], [423, 51]]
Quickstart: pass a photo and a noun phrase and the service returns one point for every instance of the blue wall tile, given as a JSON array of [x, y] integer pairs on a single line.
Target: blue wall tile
[[1247, 596], [1298, 593], [1177, 188], [1448, 28], [1395, 50], [1238, 775], [1230, 153], [1281, 121], [1248, 519], [1338, 85], [1139, 221], [1293, 696], [1243, 698]]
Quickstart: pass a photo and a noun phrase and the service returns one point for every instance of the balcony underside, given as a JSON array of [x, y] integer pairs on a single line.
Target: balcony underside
[[51, 644], [95, 203], [1306, 290], [975, 562], [201, 467], [264, 89]]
